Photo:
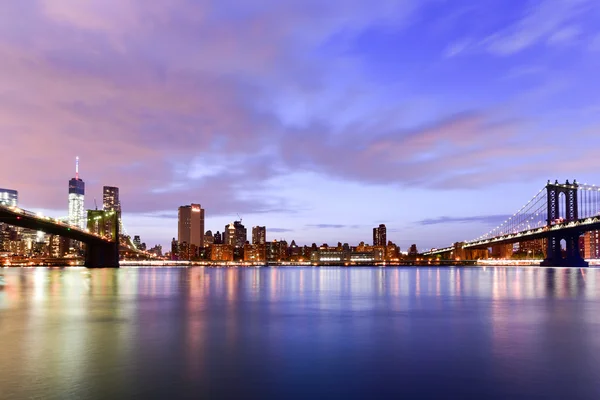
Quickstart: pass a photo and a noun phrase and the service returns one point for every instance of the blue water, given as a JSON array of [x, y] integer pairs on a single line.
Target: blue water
[[300, 333]]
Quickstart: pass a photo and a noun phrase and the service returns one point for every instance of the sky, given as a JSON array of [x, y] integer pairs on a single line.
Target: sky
[[318, 119]]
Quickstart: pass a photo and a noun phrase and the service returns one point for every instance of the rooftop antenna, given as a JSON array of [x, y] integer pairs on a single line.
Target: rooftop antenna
[[77, 167], [96, 204]]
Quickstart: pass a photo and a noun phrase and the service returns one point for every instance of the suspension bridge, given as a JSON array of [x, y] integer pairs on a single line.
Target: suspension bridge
[[101, 238], [558, 212]]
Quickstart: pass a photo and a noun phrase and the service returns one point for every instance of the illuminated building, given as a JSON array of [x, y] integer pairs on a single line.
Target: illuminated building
[[191, 225], [259, 235], [277, 251], [255, 252], [591, 244], [235, 234], [380, 235], [76, 199], [221, 252], [110, 200], [9, 197]]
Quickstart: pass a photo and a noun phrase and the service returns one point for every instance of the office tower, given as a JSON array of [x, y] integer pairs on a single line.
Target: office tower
[[218, 238], [191, 225], [76, 199], [110, 200], [235, 234], [208, 238], [137, 241], [259, 235], [9, 197], [380, 235]]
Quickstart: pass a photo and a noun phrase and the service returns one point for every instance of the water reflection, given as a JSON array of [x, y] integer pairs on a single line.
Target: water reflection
[[190, 332]]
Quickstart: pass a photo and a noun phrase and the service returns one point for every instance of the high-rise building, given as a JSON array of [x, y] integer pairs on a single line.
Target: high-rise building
[[9, 197], [259, 235], [218, 238], [380, 235], [235, 234], [77, 215], [110, 200], [191, 225]]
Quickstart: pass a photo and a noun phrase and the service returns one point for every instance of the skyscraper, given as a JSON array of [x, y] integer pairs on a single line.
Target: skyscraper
[[110, 199], [191, 225], [9, 197], [380, 235], [259, 235], [235, 234], [76, 199]]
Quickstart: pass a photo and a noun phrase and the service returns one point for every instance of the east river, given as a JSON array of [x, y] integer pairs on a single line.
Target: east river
[[300, 333]]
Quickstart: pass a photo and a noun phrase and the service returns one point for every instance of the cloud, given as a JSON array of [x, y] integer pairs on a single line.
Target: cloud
[[486, 219], [544, 20], [326, 226], [280, 230]]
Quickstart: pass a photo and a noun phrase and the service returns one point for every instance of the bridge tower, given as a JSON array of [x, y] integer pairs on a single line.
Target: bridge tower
[[103, 254], [554, 254]]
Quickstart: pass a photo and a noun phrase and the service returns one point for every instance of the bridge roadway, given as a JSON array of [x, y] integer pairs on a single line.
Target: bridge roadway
[[100, 251], [566, 228]]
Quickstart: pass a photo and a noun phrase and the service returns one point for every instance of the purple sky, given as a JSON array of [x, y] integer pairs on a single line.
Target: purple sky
[[319, 119]]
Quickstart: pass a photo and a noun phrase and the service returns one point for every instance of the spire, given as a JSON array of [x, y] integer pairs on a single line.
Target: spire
[[77, 167]]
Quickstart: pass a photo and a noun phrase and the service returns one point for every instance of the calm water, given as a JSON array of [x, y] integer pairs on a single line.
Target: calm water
[[283, 333]]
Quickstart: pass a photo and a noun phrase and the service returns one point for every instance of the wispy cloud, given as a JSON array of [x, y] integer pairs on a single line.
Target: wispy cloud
[[486, 219]]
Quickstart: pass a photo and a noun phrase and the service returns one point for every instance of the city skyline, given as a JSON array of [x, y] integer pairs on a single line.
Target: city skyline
[[318, 122]]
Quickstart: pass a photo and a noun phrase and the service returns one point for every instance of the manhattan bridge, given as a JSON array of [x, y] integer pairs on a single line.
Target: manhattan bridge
[[558, 212]]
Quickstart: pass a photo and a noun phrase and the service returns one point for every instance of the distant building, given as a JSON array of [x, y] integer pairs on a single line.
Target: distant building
[[110, 199], [591, 244], [255, 253], [277, 251], [221, 252], [208, 238], [190, 227], [380, 235], [218, 238], [76, 199], [235, 234], [412, 251], [9, 197], [174, 249], [259, 235]]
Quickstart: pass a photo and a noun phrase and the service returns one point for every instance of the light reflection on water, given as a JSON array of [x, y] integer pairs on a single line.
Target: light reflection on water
[[492, 332]]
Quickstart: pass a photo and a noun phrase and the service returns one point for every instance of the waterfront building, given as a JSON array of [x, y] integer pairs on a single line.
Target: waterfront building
[[235, 234], [412, 251], [380, 235], [259, 235], [221, 252], [9, 197], [77, 215], [277, 251], [174, 249], [254, 253], [591, 245], [190, 227]]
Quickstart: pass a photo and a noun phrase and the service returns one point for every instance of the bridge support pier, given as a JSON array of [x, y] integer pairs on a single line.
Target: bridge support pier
[[102, 255], [572, 258]]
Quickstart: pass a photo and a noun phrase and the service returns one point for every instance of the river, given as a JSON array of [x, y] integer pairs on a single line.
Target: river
[[286, 333]]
